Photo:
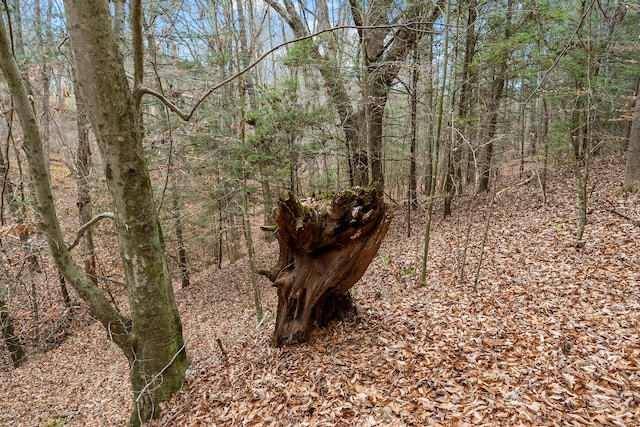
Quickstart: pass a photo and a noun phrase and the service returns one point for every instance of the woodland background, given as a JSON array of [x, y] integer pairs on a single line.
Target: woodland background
[[503, 134]]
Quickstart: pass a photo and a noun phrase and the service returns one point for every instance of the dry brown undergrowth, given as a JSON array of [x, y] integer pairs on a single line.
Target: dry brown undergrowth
[[549, 336]]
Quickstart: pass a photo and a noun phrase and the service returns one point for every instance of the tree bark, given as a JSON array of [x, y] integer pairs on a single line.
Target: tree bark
[[152, 339], [5, 184], [156, 351], [497, 92], [363, 128], [9, 336], [413, 103], [632, 171], [412, 195], [326, 245], [83, 171], [183, 264]]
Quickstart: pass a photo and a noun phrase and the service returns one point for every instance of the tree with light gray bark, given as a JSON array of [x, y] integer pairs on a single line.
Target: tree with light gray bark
[[386, 35], [151, 338]]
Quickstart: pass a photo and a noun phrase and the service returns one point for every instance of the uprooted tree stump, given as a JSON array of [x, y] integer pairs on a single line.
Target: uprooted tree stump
[[326, 245]]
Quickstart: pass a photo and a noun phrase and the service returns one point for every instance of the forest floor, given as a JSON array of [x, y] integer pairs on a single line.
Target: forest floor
[[543, 333]]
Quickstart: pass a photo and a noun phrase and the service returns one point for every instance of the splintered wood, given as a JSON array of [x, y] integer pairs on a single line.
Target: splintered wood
[[326, 246], [548, 337]]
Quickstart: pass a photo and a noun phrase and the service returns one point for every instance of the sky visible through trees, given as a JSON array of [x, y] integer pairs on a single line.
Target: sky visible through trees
[[215, 109]]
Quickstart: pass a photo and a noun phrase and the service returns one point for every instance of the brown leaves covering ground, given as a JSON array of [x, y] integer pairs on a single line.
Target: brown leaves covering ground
[[549, 335]]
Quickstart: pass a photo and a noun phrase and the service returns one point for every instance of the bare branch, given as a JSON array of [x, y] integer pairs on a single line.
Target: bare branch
[[186, 116], [563, 52], [621, 215], [86, 226]]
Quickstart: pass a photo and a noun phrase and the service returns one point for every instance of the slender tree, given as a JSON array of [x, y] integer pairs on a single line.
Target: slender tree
[[437, 133], [380, 67], [152, 339], [632, 171], [83, 167], [498, 84], [183, 263], [468, 79], [9, 336], [412, 194], [5, 184], [249, 91]]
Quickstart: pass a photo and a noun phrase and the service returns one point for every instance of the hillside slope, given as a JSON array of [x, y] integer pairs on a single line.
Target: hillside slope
[[547, 335]]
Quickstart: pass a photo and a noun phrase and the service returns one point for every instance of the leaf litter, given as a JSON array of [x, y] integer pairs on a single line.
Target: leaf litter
[[548, 335]]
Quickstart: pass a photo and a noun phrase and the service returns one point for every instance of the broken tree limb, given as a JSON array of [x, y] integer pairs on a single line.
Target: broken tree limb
[[326, 245], [86, 226], [621, 215], [519, 184]]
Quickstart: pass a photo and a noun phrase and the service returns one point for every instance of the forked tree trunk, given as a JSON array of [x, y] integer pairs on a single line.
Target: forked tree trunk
[[383, 47], [326, 245]]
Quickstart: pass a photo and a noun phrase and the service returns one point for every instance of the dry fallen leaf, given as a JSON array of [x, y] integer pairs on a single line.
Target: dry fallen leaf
[[549, 336]]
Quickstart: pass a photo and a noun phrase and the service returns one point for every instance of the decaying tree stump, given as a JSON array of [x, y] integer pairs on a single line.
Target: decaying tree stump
[[326, 245]]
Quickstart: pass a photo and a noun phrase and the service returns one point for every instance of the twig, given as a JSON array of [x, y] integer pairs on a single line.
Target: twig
[[86, 226], [264, 319], [140, 91], [159, 374], [484, 240], [225, 356], [544, 196]]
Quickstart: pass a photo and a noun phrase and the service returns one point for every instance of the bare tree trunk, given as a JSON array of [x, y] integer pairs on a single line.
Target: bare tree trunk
[[436, 150], [544, 139], [119, 7], [497, 92], [21, 209], [17, 30], [246, 222], [449, 179], [220, 233], [183, 265], [83, 172], [522, 135], [453, 176], [428, 149], [152, 340], [249, 88], [66, 298], [9, 336], [632, 171], [248, 236], [325, 247], [46, 114], [155, 349], [412, 195], [497, 88], [5, 184], [42, 26]]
